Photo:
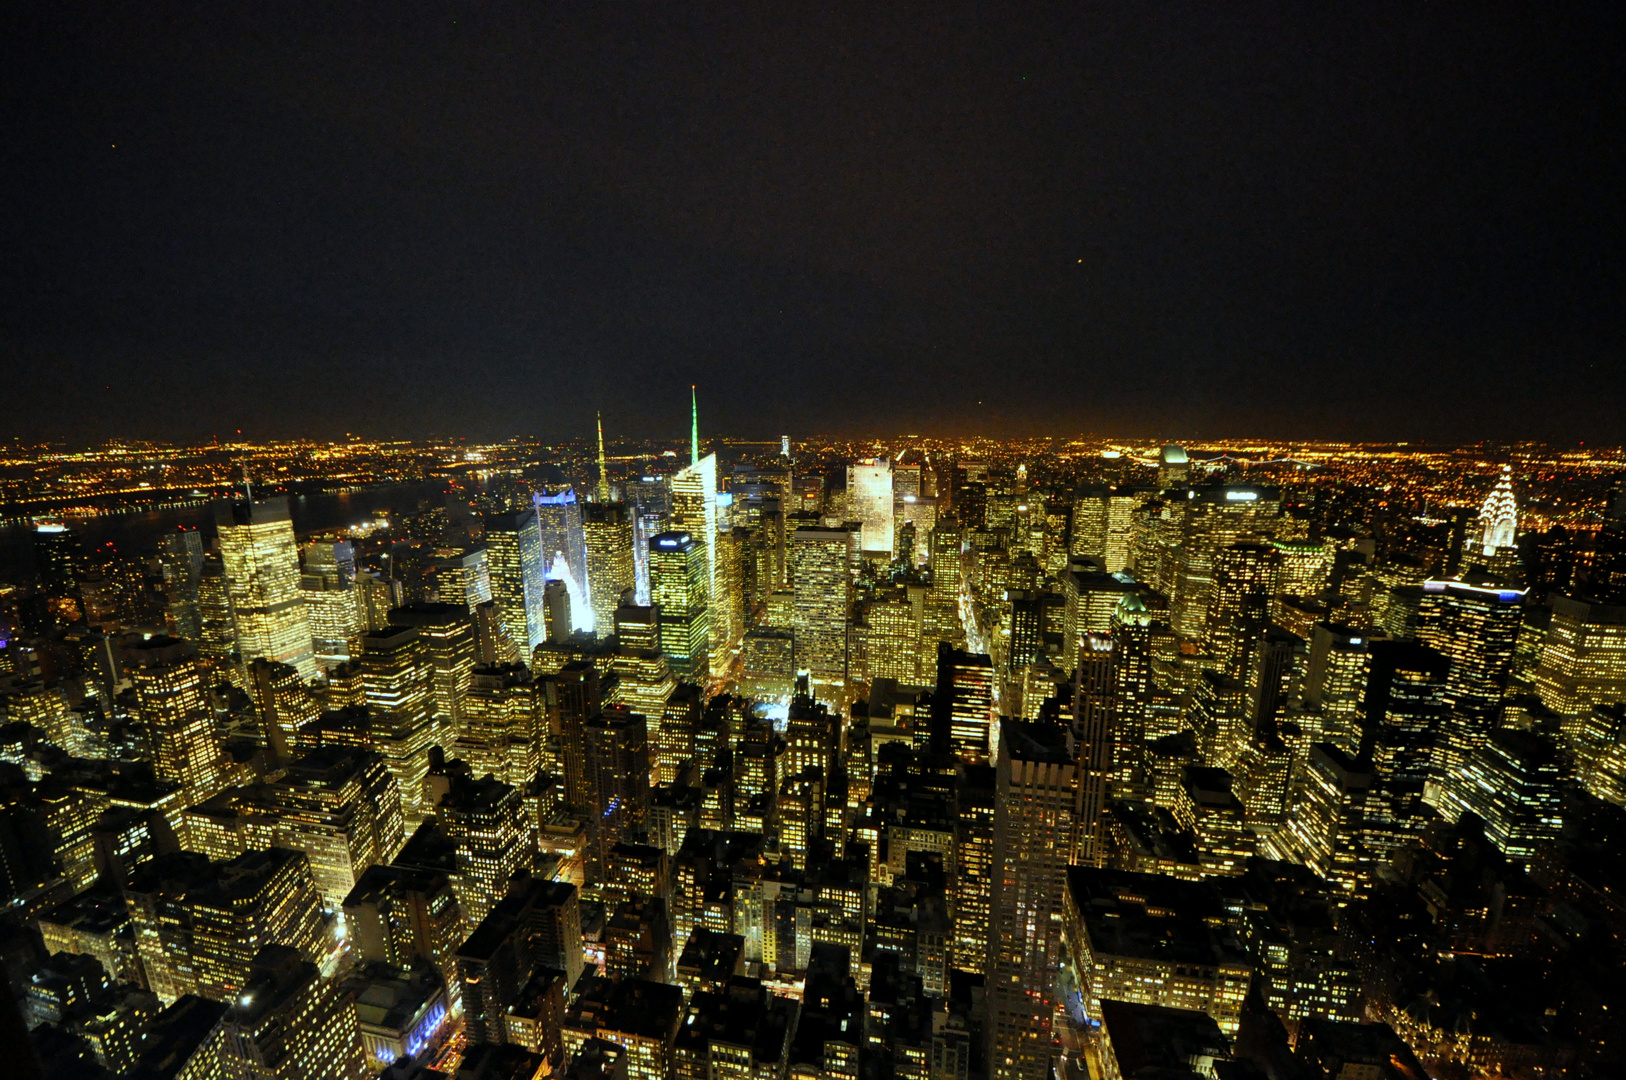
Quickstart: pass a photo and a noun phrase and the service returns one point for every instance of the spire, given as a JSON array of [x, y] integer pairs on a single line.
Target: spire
[[602, 492], [694, 428], [1499, 515]]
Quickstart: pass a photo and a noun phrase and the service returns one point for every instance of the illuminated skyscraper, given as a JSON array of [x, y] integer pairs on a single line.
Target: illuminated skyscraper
[[335, 607], [262, 576], [180, 554], [486, 820], [820, 561], [564, 549], [448, 636], [1583, 658], [1499, 517], [503, 726], [963, 712], [1513, 782], [1477, 628], [171, 701], [396, 677], [290, 1023], [1094, 733], [678, 568], [518, 571], [216, 626], [601, 492], [869, 497], [59, 558], [607, 529], [1035, 839], [1243, 577]]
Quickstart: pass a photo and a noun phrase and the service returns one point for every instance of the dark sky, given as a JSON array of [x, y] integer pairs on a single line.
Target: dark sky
[[1381, 220]]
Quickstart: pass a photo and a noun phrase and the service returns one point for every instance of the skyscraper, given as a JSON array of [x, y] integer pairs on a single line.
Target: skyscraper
[[1499, 517], [172, 702], [262, 576], [963, 711], [564, 549], [290, 1023], [607, 531], [180, 553], [518, 572], [395, 674], [869, 497], [822, 581], [678, 589], [1035, 839]]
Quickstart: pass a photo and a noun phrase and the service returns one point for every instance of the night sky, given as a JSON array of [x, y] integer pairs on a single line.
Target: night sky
[[1363, 220]]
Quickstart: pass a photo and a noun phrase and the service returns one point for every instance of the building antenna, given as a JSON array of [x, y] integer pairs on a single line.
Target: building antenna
[[603, 493], [694, 428]]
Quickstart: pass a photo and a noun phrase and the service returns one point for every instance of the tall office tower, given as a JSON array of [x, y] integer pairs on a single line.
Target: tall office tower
[[502, 725], [1035, 838], [1327, 823], [259, 898], [284, 702], [896, 624], [921, 512], [1094, 734], [1089, 597], [450, 644], [1606, 578], [291, 1024], [464, 579], [678, 590], [975, 796], [172, 701], [58, 559], [615, 753], [728, 605], [869, 498], [1583, 659], [518, 569], [963, 717], [1304, 567], [217, 628], [1174, 467], [1022, 628], [486, 821], [332, 557], [607, 532], [1088, 527], [180, 556], [1244, 574], [396, 913], [1404, 709], [601, 491], [1498, 518], [336, 616], [564, 549], [1274, 676], [340, 806], [395, 678], [1335, 685], [557, 599], [1214, 519], [1131, 632], [1478, 629], [820, 561], [1513, 781], [262, 576]]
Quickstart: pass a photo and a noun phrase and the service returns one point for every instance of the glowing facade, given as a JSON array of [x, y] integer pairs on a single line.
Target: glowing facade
[[869, 497], [262, 577], [1499, 516]]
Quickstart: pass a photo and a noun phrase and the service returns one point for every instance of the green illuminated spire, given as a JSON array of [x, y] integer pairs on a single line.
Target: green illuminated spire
[[694, 429], [602, 493]]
